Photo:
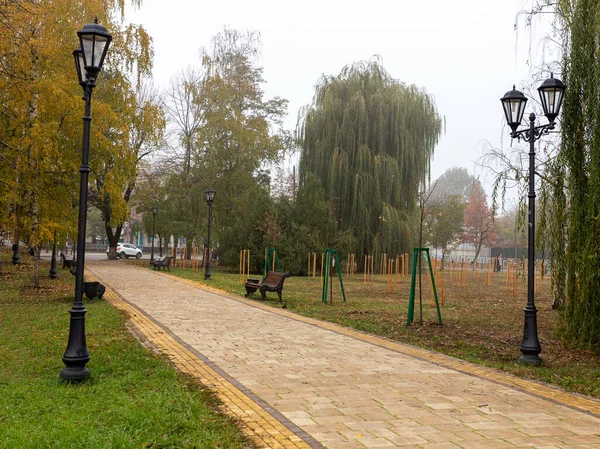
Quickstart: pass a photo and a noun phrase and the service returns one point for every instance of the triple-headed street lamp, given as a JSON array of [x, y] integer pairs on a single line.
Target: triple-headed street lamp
[[551, 95], [154, 212], [94, 42], [209, 196]]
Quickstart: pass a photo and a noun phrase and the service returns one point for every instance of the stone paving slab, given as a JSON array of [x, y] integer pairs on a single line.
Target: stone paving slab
[[299, 382]]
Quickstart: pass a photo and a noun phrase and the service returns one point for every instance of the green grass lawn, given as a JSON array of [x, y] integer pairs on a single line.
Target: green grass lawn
[[134, 398], [482, 323]]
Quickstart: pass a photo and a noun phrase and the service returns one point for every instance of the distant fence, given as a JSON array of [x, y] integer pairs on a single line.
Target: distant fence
[[509, 253]]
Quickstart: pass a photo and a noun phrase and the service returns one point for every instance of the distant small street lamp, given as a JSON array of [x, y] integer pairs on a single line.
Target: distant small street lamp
[[53, 271], [154, 211], [551, 95], [94, 42], [209, 196]]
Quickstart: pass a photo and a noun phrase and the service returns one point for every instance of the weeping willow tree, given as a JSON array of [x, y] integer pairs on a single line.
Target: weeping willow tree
[[369, 139], [576, 189]]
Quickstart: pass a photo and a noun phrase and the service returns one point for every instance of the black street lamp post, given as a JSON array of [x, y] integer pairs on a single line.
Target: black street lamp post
[[16, 257], [154, 212], [94, 43], [53, 271], [551, 94], [209, 196]]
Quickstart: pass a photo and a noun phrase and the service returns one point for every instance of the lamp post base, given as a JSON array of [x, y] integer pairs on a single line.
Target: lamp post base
[[53, 272], [76, 355], [530, 359], [16, 258], [530, 347], [75, 373]]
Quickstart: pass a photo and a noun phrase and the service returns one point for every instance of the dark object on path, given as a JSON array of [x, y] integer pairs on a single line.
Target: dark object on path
[[272, 283], [66, 263], [163, 263]]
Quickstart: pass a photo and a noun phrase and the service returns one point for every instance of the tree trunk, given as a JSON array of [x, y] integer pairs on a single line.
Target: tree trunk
[[113, 240], [36, 265]]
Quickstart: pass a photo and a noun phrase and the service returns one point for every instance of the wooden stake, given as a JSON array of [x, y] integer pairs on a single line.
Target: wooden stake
[[322, 262], [515, 277], [507, 276], [432, 280], [402, 267], [542, 268], [442, 273], [372, 268]]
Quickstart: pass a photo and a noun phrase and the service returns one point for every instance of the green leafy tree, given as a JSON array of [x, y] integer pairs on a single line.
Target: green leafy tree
[[228, 135], [369, 139], [444, 222], [310, 227], [123, 147], [446, 206]]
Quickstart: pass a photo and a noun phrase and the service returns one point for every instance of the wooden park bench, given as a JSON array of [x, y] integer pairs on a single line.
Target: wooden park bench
[[162, 263], [273, 282]]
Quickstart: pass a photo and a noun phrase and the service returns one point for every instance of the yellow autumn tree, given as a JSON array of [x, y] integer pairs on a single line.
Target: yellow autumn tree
[[41, 110]]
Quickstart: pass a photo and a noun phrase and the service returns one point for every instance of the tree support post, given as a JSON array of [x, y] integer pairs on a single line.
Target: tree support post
[[417, 253]]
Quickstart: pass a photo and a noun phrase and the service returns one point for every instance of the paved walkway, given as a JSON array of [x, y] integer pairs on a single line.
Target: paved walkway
[[295, 382]]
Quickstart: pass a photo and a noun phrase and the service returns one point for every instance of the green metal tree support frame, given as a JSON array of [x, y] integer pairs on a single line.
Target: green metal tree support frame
[[271, 252], [329, 253], [417, 253]]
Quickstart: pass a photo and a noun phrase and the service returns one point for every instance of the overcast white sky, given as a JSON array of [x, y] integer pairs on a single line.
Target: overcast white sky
[[466, 53]]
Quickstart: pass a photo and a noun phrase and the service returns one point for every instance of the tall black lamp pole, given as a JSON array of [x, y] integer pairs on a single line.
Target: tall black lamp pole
[[94, 42], [209, 196], [154, 211], [551, 95]]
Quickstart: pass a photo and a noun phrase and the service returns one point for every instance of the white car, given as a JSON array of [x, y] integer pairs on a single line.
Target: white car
[[127, 250]]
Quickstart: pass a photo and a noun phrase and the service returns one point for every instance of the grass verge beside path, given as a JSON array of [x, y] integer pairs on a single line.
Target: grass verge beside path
[[483, 323], [134, 399]]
